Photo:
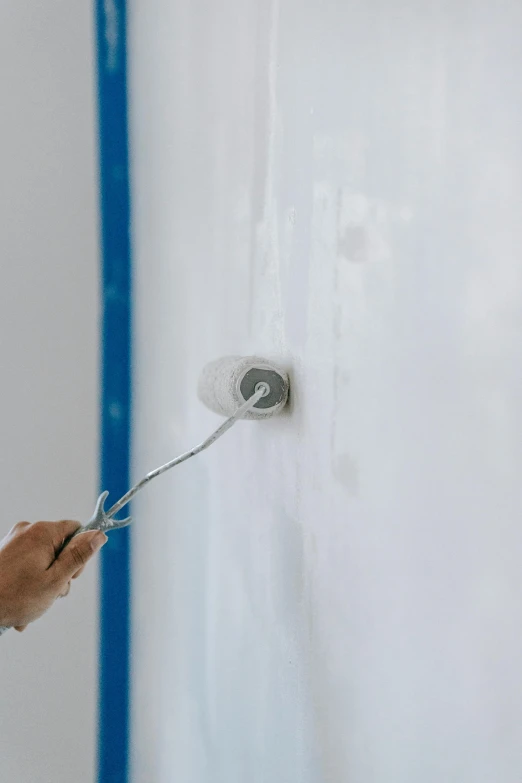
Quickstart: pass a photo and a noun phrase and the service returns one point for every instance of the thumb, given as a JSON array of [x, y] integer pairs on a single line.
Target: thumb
[[76, 554]]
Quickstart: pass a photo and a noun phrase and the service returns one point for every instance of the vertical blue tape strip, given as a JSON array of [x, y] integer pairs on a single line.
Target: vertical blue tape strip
[[113, 736]]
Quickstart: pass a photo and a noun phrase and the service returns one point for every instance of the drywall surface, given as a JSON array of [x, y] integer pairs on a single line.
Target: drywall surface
[[335, 595], [49, 378]]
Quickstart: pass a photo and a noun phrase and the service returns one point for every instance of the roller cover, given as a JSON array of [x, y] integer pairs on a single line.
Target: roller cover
[[227, 383]]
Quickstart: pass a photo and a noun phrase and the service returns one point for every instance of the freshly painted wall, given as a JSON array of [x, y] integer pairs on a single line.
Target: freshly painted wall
[[334, 595], [49, 371]]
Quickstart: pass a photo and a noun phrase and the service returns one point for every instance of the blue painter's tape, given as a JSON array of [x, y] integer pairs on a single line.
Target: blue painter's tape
[[113, 732]]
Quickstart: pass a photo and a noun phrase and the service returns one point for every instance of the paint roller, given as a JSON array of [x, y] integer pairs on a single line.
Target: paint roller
[[239, 387], [229, 383], [246, 387]]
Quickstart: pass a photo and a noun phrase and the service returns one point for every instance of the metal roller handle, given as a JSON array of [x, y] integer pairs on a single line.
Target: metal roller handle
[[103, 520]]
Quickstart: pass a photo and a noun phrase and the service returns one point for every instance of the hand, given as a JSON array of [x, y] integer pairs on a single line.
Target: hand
[[37, 565]]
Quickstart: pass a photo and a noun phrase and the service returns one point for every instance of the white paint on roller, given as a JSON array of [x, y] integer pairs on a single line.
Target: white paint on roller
[[220, 385], [332, 595]]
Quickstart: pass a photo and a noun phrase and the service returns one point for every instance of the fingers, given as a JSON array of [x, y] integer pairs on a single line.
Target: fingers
[[76, 554], [53, 535], [18, 528], [78, 573], [61, 531], [65, 592]]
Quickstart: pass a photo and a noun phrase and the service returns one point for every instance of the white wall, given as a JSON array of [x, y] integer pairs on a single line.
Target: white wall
[[335, 595], [49, 378]]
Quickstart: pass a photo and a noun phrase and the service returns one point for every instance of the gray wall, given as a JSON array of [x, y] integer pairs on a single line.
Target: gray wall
[[48, 360], [331, 596]]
